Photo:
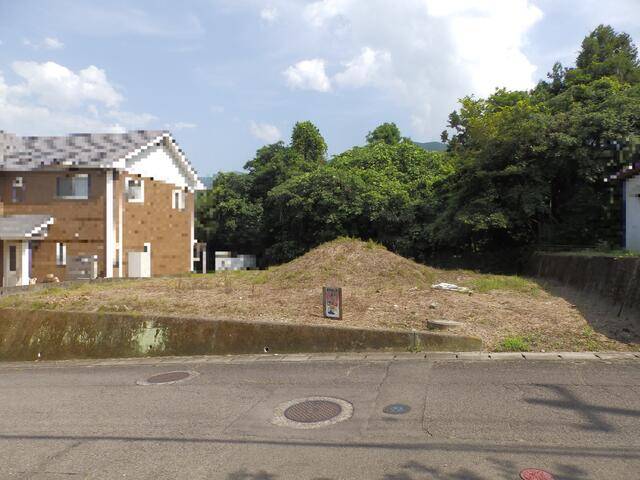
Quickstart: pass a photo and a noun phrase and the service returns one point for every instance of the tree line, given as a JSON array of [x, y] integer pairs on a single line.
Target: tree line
[[521, 168]]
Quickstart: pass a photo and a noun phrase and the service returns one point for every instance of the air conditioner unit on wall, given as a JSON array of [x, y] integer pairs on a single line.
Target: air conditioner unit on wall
[[18, 182]]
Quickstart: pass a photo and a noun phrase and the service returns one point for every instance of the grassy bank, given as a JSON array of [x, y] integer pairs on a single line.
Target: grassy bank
[[380, 290]]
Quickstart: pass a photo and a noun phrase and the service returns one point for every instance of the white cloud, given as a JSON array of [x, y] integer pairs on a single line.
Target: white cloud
[[318, 13], [308, 75], [365, 69], [423, 54], [217, 109], [54, 85], [265, 132], [48, 43], [488, 40], [269, 14], [54, 100], [180, 126], [52, 43]]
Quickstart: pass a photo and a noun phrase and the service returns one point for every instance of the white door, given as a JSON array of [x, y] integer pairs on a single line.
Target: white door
[[139, 264], [12, 264]]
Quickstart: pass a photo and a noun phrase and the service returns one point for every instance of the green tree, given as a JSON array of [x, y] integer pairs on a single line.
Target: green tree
[[272, 165], [499, 192], [376, 192], [606, 53], [521, 167], [531, 165], [226, 217], [307, 141], [387, 133]]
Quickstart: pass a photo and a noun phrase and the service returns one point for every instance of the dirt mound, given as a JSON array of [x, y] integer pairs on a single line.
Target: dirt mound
[[350, 262]]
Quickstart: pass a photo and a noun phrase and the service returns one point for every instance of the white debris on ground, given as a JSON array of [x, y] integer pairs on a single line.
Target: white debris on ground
[[450, 287]]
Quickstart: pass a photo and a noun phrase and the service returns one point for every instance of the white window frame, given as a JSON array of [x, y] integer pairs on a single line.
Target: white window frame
[[73, 177], [180, 204], [61, 254], [126, 188], [13, 255], [17, 190]]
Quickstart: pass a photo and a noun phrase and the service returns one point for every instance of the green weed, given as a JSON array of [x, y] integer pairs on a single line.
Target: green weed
[[514, 344], [512, 283]]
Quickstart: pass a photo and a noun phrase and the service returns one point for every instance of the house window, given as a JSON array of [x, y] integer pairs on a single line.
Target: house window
[[178, 200], [13, 259], [116, 257], [135, 190], [17, 190], [61, 254], [73, 186]]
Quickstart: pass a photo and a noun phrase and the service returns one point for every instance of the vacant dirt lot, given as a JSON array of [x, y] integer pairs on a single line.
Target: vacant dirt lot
[[380, 290]]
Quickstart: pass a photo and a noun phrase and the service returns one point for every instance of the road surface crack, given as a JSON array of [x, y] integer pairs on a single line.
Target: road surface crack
[[41, 467]]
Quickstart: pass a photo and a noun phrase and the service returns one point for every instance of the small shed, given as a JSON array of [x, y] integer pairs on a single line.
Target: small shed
[[227, 261]]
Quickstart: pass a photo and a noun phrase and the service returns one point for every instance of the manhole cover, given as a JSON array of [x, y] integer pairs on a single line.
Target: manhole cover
[[312, 412], [167, 378], [396, 409], [535, 474]]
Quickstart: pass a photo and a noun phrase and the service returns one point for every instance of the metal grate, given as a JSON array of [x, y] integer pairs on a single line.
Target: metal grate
[[311, 411]]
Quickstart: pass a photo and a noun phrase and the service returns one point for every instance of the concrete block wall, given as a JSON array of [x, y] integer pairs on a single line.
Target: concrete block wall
[[613, 279]]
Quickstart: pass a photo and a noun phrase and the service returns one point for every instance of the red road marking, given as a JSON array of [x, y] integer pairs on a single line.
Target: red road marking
[[535, 474]]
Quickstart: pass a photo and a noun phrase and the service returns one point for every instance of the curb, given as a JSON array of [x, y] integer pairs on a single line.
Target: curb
[[337, 357]]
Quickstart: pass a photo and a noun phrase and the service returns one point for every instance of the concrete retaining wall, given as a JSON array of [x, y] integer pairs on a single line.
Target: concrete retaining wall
[[615, 279], [64, 335]]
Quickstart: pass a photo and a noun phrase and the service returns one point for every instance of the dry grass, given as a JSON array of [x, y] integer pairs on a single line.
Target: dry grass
[[380, 289]]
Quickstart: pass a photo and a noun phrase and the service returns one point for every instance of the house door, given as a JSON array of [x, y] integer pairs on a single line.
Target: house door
[[12, 264]]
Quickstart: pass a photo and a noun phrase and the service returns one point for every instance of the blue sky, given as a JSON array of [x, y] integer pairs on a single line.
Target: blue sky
[[227, 76]]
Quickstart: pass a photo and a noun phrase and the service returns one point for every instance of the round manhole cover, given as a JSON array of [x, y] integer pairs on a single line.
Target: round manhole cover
[[396, 409], [167, 378], [535, 474], [312, 412]]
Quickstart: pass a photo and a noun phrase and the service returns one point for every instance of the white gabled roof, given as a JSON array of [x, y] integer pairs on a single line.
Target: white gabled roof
[[90, 150]]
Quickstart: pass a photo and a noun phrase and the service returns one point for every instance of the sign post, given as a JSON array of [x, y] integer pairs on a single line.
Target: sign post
[[332, 302]]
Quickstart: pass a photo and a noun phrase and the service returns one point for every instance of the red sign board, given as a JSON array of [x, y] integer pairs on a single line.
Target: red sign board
[[332, 302]]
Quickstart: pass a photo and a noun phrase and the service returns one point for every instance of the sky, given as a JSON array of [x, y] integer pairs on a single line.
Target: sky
[[228, 76]]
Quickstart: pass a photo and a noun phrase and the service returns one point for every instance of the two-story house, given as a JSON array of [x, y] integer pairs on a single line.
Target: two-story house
[[116, 204]]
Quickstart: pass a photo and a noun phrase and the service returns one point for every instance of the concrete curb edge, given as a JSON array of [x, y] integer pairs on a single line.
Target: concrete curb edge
[[334, 357]]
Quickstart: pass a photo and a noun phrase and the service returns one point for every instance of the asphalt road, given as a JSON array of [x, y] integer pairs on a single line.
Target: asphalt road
[[468, 420]]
